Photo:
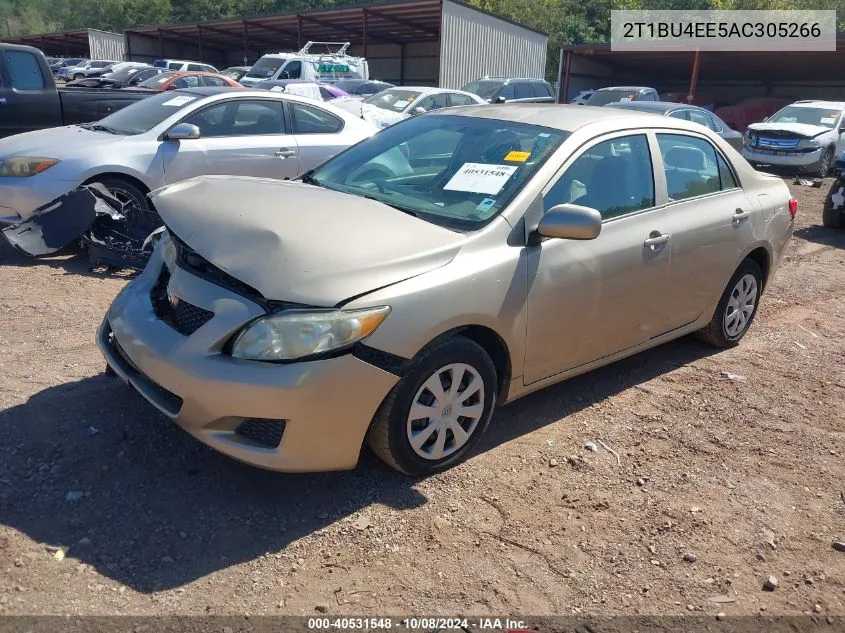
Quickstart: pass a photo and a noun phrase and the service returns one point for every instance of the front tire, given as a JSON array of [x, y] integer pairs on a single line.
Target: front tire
[[125, 191], [825, 163], [439, 409], [737, 307]]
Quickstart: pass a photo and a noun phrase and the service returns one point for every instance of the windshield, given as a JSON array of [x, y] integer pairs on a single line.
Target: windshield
[[824, 117], [454, 171], [483, 89], [125, 73], [349, 85], [265, 67], [395, 99], [601, 97], [157, 81], [144, 115]]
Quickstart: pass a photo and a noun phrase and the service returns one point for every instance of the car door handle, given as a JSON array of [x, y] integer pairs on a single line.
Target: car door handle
[[740, 215], [656, 240], [285, 153]]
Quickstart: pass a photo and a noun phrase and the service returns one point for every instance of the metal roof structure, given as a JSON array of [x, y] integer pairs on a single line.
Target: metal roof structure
[[67, 43]]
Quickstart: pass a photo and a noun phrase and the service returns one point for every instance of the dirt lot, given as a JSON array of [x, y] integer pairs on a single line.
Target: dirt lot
[[720, 484]]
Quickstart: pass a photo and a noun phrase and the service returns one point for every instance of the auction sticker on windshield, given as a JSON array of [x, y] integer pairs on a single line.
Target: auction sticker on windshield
[[480, 178], [178, 101]]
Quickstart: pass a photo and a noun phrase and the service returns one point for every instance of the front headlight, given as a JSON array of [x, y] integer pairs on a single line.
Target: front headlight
[[295, 334], [809, 143], [25, 166]]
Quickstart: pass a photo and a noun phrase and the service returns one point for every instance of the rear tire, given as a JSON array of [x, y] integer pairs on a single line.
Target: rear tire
[[737, 307], [833, 218], [459, 410]]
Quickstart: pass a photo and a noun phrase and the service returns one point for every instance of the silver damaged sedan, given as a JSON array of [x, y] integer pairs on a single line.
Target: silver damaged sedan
[[285, 323]]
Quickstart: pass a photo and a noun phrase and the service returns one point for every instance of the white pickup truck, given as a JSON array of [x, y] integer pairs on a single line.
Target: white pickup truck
[[317, 67], [805, 136]]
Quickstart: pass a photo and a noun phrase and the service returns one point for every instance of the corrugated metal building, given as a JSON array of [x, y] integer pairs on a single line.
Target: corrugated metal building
[[89, 43], [106, 45], [423, 42]]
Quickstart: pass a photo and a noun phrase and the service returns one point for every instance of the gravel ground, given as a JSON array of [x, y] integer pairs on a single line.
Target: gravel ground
[[721, 482]]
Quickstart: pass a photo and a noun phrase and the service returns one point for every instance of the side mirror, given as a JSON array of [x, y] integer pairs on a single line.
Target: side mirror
[[419, 110], [570, 222], [182, 132], [500, 99]]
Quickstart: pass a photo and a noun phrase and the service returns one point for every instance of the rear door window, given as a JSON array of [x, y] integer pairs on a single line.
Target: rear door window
[[691, 166], [460, 100], [196, 67], [174, 66], [308, 119], [24, 72], [213, 81], [702, 119], [539, 89], [523, 90]]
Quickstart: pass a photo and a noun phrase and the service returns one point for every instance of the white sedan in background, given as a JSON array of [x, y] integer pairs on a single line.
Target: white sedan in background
[[395, 104], [173, 136]]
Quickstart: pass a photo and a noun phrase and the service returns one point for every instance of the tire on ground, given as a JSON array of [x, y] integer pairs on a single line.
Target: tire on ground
[[388, 434], [715, 332]]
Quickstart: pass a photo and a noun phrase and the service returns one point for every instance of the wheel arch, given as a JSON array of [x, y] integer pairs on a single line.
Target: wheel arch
[[492, 343], [763, 258], [132, 180]]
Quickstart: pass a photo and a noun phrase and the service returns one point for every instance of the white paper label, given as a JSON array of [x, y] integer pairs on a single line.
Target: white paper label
[[481, 178], [277, 89], [175, 102], [830, 120], [624, 99], [400, 104]]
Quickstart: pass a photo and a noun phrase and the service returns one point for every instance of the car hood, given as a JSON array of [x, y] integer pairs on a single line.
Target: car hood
[[301, 243], [380, 117], [802, 129], [60, 142]]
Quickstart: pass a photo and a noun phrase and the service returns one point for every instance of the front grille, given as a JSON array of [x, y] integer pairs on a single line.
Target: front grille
[[265, 433], [765, 142], [188, 318], [184, 317]]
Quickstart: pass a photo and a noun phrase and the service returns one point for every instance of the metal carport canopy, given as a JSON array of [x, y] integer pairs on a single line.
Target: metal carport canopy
[[759, 68], [379, 23], [67, 43]]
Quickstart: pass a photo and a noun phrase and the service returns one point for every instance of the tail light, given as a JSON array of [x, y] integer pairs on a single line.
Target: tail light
[[793, 207]]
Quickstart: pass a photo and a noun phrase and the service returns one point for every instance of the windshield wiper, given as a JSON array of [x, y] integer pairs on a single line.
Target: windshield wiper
[[96, 127], [308, 179]]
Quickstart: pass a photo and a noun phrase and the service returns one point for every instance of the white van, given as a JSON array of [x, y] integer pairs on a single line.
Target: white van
[[327, 67]]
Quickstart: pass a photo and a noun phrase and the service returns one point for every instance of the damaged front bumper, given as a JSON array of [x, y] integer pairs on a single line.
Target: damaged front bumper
[[113, 233]]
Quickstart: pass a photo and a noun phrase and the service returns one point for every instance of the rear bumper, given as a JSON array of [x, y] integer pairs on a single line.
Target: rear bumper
[[325, 406]]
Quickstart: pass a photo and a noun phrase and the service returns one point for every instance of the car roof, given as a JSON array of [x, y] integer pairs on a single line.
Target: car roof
[[656, 106], [816, 104], [624, 88], [562, 117], [210, 91]]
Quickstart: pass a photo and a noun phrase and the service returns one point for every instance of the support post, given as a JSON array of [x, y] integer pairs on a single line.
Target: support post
[[67, 46], [402, 64], [366, 14], [127, 47], [199, 42], [567, 69], [693, 82], [299, 31], [160, 44], [246, 42]]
